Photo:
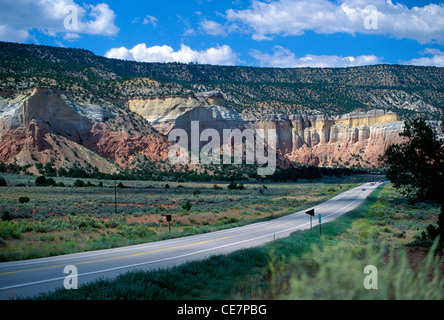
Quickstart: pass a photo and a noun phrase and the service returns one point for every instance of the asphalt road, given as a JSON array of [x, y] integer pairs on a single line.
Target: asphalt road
[[31, 277]]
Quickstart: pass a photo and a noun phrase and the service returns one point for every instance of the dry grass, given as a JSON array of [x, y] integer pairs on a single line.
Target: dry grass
[[57, 217]]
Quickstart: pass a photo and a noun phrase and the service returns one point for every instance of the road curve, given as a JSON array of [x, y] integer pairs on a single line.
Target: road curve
[[31, 277]]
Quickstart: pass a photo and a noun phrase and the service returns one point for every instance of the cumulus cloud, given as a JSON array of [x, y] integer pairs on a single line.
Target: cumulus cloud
[[19, 18], [284, 58], [434, 58], [221, 55], [266, 19], [213, 28]]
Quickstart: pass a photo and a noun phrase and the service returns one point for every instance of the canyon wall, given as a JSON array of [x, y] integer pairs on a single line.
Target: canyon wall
[[45, 125], [350, 139], [42, 125], [354, 138], [167, 113]]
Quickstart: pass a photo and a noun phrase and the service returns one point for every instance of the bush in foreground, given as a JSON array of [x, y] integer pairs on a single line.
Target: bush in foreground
[[337, 273], [9, 230]]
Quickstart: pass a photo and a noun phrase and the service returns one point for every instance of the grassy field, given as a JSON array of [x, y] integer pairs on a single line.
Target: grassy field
[[384, 231], [45, 221]]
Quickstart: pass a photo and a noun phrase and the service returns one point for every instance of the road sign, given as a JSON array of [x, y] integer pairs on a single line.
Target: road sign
[[320, 223], [311, 213], [168, 219], [320, 218]]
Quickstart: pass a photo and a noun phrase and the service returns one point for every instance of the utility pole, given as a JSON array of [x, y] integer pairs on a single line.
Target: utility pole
[[214, 183], [115, 197]]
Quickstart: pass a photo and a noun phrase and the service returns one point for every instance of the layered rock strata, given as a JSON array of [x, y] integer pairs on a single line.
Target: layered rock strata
[[356, 138], [42, 125]]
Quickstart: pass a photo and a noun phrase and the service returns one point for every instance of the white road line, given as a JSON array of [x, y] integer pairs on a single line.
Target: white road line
[[75, 256], [176, 257]]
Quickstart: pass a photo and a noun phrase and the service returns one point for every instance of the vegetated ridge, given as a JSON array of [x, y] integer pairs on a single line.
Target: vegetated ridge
[[71, 107]]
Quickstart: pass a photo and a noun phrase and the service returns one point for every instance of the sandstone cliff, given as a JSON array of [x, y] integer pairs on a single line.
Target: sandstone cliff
[[169, 113], [42, 125], [350, 139], [354, 138]]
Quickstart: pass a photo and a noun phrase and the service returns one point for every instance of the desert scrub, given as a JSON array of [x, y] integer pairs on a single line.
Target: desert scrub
[[86, 215], [338, 273], [9, 230]]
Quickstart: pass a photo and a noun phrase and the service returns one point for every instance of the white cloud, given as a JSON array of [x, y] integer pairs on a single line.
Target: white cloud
[[213, 28], [265, 20], [20, 18], [150, 20], [435, 59], [284, 58], [221, 55], [189, 32]]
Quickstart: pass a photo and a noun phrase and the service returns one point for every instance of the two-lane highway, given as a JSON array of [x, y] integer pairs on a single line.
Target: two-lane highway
[[30, 277]]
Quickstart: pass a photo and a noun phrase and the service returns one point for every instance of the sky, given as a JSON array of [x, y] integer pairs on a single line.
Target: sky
[[259, 33]]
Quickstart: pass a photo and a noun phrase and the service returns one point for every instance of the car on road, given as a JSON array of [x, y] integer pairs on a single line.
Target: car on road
[[363, 189]]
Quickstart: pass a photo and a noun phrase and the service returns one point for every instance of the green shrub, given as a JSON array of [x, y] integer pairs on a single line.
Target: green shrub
[[189, 228], [6, 216], [227, 220], [46, 237], [23, 199], [399, 234], [9, 230], [79, 183], [336, 272], [195, 210], [41, 181], [218, 224], [111, 224], [186, 205], [234, 186], [3, 182], [135, 231]]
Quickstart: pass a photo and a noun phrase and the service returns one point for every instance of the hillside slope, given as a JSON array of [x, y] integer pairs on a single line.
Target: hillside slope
[[70, 107], [406, 90]]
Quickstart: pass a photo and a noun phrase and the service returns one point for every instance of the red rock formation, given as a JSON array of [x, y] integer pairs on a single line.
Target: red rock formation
[[44, 124]]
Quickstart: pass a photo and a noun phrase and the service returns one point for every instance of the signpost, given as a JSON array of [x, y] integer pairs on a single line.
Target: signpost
[[168, 219], [115, 197], [320, 223], [311, 213]]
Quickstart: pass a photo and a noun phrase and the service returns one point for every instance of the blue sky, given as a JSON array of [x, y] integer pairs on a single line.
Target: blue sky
[[265, 33]]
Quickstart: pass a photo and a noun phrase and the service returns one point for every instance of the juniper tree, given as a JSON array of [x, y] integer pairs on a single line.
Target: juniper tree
[[416, 167]]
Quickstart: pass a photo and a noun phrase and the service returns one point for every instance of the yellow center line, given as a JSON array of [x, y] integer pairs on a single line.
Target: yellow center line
[[122, 257]]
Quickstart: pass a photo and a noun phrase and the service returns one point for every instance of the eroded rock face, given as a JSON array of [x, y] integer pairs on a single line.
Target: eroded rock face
[[354, 138], [170, 113], [43, 124]]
